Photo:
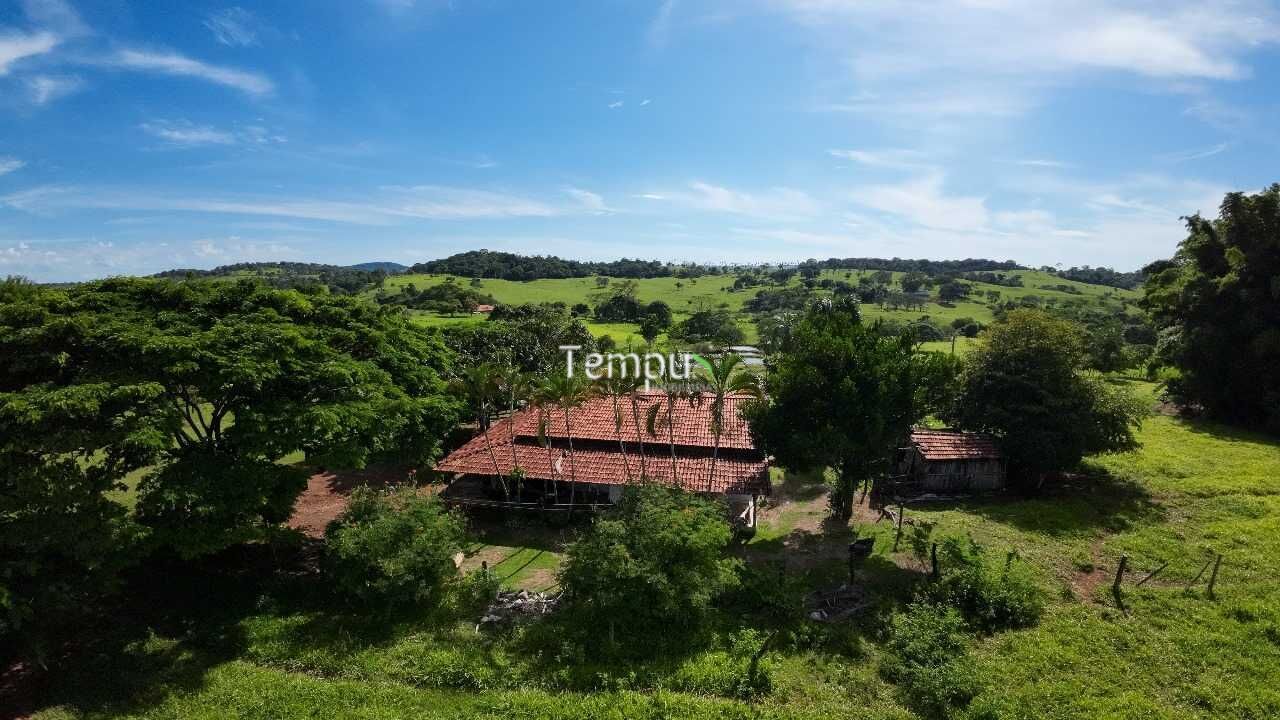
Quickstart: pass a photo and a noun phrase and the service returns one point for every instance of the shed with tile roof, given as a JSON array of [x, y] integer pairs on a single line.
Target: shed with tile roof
[[948, 461]]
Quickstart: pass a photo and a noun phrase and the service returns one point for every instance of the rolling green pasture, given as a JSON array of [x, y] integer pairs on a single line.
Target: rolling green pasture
[[686, 296], [267, 649]]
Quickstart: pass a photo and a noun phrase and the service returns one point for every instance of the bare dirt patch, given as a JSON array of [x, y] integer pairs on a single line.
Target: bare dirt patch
[[327, 495]]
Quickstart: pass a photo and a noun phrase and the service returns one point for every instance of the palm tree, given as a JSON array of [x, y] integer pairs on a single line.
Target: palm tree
[[674, 389], [725, 376], [479, 385], [567, 393], [614, 387], [515, 387], [630, 385]]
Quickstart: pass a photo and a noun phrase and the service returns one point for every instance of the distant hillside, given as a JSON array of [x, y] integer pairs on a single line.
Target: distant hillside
[[510, 266], [339, 279], [389, 268]]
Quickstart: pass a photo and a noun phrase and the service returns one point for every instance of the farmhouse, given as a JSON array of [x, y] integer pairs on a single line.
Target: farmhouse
[[482, 309], [947, 461], [586, 464]]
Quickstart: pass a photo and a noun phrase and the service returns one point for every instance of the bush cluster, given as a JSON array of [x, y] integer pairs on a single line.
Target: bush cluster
[[392, 549], [989, 598]]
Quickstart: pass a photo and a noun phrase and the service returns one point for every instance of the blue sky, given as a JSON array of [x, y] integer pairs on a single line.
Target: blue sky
[[139, 136]]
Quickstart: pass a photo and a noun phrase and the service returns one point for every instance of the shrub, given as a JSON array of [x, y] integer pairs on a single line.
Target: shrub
[[929, 659], [989, 598], [393, 549], [645, 576]]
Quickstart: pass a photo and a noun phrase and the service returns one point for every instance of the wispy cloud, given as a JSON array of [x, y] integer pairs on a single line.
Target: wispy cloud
[[233, 26], [186, 134], [776, 203], [15, 47], [645, 101], [387, 206], [592, 202], [10, 164], [660, 27], [923, 202], [1041, 163], [1194, 154], [175, 64], [616, 104], [891, 158], [44, 89]]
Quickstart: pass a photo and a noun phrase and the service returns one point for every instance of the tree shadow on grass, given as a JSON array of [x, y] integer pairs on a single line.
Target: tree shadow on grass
[[1082, 503], [1228, 433]]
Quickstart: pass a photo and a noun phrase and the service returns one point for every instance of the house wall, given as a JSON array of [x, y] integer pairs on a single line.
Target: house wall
[[960, 475]]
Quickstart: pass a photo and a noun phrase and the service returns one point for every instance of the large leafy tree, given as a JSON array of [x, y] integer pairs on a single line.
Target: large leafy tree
[[843, 394], [1217, 303], [224, 380], [645, 576], [1025, 384]]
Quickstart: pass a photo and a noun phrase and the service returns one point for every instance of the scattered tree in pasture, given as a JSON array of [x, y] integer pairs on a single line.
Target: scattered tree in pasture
[[1024, 384]]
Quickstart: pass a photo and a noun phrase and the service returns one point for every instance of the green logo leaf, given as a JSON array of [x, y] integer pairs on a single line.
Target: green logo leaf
[[703, 362]]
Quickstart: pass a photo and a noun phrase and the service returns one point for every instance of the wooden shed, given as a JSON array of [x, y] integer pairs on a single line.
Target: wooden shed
[[947, 461]]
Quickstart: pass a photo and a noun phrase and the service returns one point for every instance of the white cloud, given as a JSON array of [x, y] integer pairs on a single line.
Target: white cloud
[[615, 104], [172, 63], [891, 158], [56, 16], [233, 26], [925, 61], [592, 202], [15, 47], [923, 202], [1043, 163], [186, 134], [645, 101], [45, 89], [9, 164], [1195, 154], [390, 205], [660, 27], [776, 203]]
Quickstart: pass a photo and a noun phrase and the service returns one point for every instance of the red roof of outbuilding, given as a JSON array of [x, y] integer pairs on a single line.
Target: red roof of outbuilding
[[952, 445]]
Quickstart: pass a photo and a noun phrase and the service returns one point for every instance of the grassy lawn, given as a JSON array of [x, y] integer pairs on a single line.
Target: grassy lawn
[[269, 648]]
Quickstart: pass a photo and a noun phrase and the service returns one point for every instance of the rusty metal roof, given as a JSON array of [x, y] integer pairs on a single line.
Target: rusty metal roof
[[953, 445]]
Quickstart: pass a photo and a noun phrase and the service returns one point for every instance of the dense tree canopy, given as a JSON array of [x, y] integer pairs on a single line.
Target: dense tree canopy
[[844, 394], [203, 387], [1217, 302], [1024, 384]]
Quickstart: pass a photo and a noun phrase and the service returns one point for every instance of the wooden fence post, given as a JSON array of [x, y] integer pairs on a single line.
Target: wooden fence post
[[897, 536], [1213, 577], [933, 558], [1124, 562], [1200, 574]]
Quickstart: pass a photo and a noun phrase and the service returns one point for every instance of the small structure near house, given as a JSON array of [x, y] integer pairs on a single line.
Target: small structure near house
[[482, 310], [948, 461]]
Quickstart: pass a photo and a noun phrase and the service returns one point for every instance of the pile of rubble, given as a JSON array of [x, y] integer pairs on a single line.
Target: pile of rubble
[[514, 604], [837, 604]]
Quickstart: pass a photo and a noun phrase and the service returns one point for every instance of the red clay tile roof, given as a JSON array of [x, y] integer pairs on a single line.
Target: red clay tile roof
[[951, 445], [595, 420], [738, 469]]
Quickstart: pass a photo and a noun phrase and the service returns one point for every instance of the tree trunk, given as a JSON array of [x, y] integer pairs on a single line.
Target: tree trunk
[[573, 474], [671, 434], [635, 418], [622, 447]]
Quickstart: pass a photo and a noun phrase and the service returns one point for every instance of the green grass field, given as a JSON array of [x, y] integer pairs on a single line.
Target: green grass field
[[1193, 489], [685, 296]]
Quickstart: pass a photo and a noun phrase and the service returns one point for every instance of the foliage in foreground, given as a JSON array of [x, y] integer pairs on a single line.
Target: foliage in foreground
[[199, 388], [929, 659], [1023, 385], [393, 549], [645, 576]]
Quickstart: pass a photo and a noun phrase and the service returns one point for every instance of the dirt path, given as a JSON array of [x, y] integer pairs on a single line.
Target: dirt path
[[327, 495]]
